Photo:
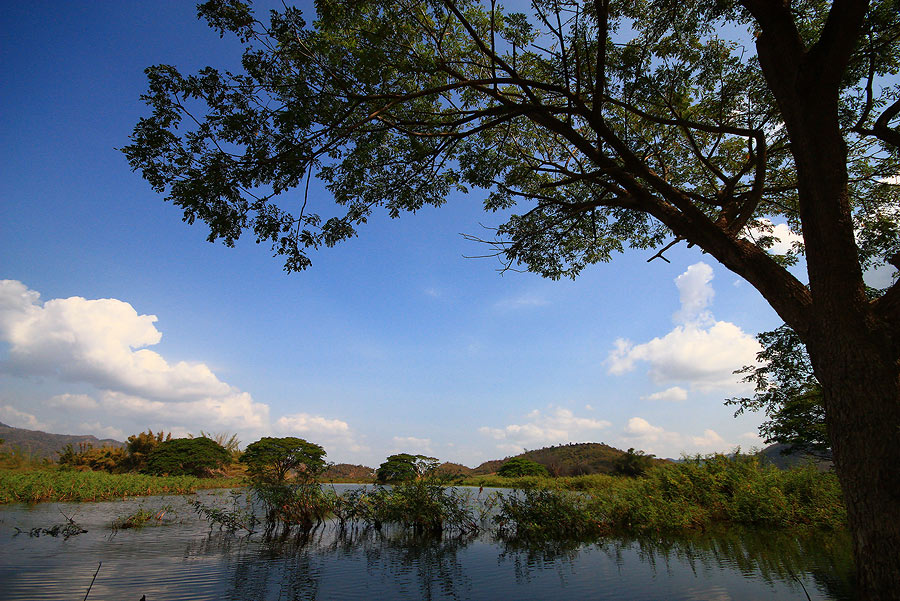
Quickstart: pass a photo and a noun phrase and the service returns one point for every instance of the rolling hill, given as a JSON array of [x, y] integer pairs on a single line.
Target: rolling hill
[[45, 444]]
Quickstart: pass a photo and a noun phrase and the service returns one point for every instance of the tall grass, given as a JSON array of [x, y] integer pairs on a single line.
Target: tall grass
[[693, 495], [64, 485]]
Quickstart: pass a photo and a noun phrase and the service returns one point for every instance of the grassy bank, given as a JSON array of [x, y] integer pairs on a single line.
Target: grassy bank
[[35, 486], [693, 495]]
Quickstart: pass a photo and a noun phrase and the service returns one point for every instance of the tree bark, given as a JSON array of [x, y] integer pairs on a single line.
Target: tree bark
[[854, 352], [861, 385]]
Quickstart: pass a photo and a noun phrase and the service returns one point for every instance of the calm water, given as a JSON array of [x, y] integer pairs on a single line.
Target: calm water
[[184, 560]]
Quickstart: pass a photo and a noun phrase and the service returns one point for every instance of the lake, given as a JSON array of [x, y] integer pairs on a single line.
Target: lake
[[182, 559]]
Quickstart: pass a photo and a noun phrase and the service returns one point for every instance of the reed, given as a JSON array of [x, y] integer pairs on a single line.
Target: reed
[[73, 486], [695, 494]]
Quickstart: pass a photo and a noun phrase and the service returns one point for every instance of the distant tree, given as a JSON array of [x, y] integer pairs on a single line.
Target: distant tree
[[519, 466], [271, 460], [633, 463], [105, 458], [139, 446], [787, 390], [187, 456], [231, 442], [404, 467]]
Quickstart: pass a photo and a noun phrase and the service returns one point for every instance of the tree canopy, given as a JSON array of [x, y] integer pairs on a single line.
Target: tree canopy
[[633, 463], [595, 126], [404, 467], [187, 456], [272, 459], [519, 466]]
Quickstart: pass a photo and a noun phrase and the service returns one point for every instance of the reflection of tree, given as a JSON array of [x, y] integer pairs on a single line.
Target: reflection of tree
[[773, 557], [396, 563], [292, 567]]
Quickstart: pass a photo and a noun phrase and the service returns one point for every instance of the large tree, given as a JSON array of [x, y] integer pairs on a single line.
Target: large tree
[[597, 125]]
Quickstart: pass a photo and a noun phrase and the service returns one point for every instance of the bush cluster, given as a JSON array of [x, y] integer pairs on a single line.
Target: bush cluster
[[694, 494]]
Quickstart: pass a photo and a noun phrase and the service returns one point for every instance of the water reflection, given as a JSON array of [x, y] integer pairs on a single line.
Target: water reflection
[[187, 561]]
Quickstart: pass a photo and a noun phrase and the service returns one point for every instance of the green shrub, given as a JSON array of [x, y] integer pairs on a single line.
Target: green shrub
[[519, 466], [271, 460], [404, 467], [187, 456]]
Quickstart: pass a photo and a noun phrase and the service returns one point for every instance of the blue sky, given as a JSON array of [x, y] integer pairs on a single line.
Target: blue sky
[[116, 317]]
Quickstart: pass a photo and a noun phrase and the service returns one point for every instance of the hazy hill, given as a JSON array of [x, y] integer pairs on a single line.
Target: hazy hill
[[346, 471], [773, 455], [45, 444], [566, 460]]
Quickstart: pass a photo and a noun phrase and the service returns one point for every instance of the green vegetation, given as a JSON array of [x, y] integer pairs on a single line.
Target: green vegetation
[[114, 459], [519, 466], [198, 457], [573, 459], [633, 464], [789, 393], [14, 457], [69, 485], [695, 494], [139, 447], [404, 467], [142, 517], [271, 460]]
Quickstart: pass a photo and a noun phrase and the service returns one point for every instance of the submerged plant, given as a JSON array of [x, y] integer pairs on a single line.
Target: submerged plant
[[66, 529], [142, 517], [233, 519]]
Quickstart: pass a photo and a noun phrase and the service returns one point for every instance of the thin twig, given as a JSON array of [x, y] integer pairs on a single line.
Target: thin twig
[[92, 581]]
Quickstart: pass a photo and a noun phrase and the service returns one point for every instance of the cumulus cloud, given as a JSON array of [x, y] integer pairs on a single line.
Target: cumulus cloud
[[784, 239], [101, 431], [330, 433], [411, 444], [73, 401], [675, 393], [542, 429], [19, 419], [700, 352], [641, 434], [101, 342], [104, 343], [695, 293]]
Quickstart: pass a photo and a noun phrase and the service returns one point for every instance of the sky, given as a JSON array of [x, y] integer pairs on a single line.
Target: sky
[[116, 317]]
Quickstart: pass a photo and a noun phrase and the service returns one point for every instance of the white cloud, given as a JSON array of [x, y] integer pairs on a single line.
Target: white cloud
[[785, 239], [753, 438], [73, 401], [103, 343], [641, 434], [521, 302], [332, 434], [559, 426], [699, 352], [675, 393], [411, 444], [101, 431], [695, 293], [304, 423], [709, 440], [19, 419], [100, 342]]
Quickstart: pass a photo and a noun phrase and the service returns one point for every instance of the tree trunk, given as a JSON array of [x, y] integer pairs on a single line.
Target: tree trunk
[[862, 398], [854, 354]]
